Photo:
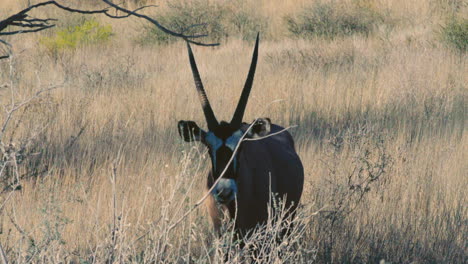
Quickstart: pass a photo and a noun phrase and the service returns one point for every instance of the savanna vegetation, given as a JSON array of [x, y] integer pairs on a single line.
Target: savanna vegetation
[[93, 169]]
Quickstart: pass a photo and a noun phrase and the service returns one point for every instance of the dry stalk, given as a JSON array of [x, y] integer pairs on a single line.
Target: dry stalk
[[3, 255], [113, 179]]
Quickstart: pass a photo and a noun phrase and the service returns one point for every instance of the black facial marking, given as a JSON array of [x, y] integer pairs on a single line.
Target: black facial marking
[[223, 154], [224, 130], [220, 155]]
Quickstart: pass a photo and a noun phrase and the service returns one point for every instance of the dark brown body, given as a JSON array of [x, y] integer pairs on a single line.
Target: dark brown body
[[269, 164]]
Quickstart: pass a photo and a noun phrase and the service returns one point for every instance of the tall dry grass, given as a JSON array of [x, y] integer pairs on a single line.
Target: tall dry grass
[[392, 103]]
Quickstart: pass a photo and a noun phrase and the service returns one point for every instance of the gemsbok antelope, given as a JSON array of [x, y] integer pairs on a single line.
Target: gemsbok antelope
[[259, 168]]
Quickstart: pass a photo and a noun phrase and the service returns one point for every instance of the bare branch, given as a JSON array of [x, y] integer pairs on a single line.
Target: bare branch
[[16, 106], [39, 28], [23, 23], [5, 43], [26, 24], [22, 17], [129, 14], [3, 256], [8, 47]]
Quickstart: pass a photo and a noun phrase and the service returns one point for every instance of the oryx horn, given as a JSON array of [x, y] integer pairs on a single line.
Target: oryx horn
[[207, 110], [239, 113]]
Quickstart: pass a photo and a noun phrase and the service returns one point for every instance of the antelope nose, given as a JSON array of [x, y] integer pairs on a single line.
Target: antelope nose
[[225, 191]]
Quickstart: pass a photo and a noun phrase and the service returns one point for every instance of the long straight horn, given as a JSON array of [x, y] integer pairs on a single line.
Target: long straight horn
[[239, 113], [209, 115]]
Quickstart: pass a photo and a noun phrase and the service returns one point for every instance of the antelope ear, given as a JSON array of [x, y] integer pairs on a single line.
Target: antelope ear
[[189, 131], [261, 128]]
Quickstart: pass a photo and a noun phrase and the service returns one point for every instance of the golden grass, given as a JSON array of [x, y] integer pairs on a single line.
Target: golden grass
[[402, 86]]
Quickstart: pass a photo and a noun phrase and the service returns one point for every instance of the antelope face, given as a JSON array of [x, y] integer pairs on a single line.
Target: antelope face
[[221, 144], [222, 138]]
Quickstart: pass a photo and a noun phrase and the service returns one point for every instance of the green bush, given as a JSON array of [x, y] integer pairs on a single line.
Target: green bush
[[86, 32], [455, 33], [327, 19], [216, 21]]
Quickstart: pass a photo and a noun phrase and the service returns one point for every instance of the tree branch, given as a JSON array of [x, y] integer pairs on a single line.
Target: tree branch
[[26, 24], [23, 17], [187, 38]]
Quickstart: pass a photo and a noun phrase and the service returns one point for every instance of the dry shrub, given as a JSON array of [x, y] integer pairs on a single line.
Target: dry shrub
[[332, 19], [19, 156], [367, 164], [217, 20]]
